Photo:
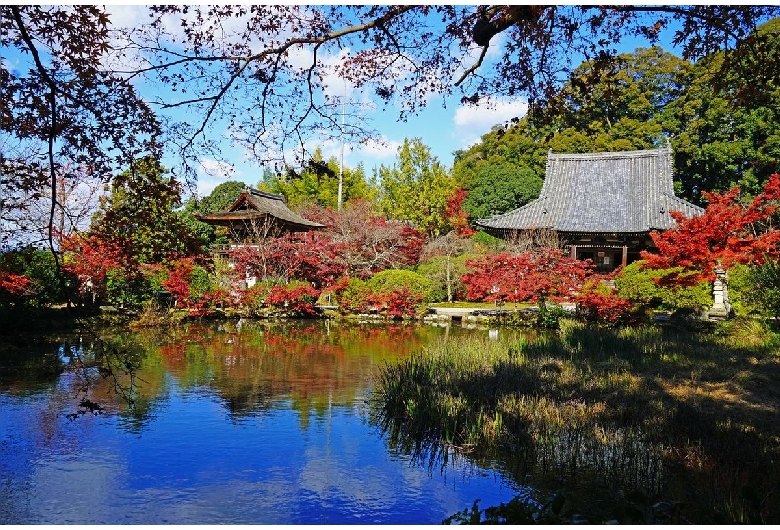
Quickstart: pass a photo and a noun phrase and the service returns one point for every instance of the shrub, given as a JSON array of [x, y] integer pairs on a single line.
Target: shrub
[[386, 294], [603, 308], [396, 303], [296, 298], [354, 297], [640, 286], [42, 286], [755, 289], [435, 269], [200, 283], [253, 298], [488, 241], [391, 280], [126, 288], [549, 315]]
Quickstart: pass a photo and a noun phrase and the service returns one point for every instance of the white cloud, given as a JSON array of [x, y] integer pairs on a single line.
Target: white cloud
[[212, 173], [472, 121], [379, 149]]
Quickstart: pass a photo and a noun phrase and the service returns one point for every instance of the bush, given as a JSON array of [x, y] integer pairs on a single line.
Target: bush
[[126, 289], [391, 280], [435, 269], [755, 289], [638, 285], [599, 304], [549, 315], [385, 294], [253, 298], [42, 285], [354, 297], [603, 308], [295, 298], [488, 241]]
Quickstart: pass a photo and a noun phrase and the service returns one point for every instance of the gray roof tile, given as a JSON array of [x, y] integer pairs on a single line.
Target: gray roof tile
[[256, 204], [618, 192]]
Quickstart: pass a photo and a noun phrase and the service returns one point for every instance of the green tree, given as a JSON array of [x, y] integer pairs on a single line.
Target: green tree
[[500, 187], [220, 199], [624, 100], [723, 143], [603, 107], [416, 188], [318, 183], [138, 215]]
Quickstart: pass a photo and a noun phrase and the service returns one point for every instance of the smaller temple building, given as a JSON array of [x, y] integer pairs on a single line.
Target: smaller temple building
[[603, 206], [258, 214]]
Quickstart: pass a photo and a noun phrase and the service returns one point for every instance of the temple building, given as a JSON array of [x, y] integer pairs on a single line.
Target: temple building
[[257, 214], [602, 206]]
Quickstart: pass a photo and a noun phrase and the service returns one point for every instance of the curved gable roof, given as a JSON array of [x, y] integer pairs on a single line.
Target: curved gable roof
[[256, 204], [616, 192]]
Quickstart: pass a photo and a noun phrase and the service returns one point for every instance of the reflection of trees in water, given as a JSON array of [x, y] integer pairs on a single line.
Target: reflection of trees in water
[[310, 365], [29, 367]]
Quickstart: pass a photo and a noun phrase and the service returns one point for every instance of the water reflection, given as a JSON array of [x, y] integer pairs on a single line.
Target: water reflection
[[251, 423]]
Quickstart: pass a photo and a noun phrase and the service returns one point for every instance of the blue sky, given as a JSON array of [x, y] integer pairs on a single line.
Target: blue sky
[[443, 125]]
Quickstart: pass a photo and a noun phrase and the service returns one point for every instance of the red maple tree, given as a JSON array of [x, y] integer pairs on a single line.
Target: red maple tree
[[547, 273], [456, 216], [14, 284], [90, 258], [728, 232], [369, 243]]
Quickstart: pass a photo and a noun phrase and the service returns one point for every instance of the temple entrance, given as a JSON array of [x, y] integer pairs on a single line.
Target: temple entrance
[[606, 258]]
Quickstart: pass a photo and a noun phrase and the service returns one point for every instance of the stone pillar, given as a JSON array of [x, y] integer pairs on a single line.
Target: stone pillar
[[721, 308]]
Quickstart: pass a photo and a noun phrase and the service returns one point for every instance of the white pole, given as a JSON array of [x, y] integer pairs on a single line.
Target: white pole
[[341, 166]]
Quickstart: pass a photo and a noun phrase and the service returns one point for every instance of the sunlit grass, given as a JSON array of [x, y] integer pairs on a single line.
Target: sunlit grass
[[629, 405]]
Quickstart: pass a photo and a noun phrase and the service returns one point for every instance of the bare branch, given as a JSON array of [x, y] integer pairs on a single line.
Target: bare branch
[[474, 67]]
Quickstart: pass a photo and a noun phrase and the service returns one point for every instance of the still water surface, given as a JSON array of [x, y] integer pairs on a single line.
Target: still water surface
[[258, 423]]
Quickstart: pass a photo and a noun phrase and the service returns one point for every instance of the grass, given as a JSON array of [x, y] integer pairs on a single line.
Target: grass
[[688, 417], [480, 305]]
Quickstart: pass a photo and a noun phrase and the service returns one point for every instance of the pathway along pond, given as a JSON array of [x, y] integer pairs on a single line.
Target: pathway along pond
[[253, 423]]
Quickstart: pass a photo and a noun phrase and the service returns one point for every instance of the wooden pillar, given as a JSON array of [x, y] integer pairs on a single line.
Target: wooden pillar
[[625, 255], [574, 252]]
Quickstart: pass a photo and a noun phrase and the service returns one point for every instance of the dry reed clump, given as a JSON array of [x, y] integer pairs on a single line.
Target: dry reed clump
[[628, 405]]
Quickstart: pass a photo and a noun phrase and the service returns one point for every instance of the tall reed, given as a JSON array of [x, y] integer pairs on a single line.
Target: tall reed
[[624, 406]]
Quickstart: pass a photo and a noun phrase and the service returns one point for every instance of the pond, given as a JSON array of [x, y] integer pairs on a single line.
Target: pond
[[240, 423]]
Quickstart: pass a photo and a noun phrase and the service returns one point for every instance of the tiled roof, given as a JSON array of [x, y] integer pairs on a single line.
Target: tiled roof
[[620, 192], [256, 204]]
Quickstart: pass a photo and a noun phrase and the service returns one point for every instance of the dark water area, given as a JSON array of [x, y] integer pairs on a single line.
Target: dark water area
[[248, 423]]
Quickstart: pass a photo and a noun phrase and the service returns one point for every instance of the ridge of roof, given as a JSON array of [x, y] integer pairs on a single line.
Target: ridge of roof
[[261, 203], [639, 153], [266, 194]]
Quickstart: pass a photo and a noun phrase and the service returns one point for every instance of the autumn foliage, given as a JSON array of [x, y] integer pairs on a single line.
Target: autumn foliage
[[728, 232], [355, 243], [306, 256], [297, 298], [599, 304], [456, 216], [90, 259], [14, 284], [536, 276]]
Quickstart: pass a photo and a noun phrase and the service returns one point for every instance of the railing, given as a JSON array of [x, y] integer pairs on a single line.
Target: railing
[[226, 248]]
